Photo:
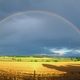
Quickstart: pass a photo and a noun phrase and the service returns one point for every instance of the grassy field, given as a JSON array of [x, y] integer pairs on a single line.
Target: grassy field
[[36, 68], [37, 59]]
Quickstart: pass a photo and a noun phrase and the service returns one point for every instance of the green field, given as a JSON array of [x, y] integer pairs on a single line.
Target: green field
[[38, 59]]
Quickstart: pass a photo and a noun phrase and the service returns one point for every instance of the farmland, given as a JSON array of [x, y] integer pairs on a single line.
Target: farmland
[[38, 59], [35, 68]]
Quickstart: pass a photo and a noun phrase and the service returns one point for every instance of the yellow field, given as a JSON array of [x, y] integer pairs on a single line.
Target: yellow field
[[40, 67], [39, 70]]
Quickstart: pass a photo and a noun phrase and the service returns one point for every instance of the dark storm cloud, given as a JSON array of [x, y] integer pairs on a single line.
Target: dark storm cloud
[[12, 38], [67, 8], [30, 32]]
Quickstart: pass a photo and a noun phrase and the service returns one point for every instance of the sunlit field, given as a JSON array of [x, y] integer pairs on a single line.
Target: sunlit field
[[36, 68]]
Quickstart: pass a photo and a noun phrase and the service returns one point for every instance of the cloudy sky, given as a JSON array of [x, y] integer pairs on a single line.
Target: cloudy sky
[[40, 27]]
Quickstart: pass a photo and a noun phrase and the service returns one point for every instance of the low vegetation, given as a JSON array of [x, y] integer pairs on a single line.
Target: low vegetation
[[38, 59], [20, 76]]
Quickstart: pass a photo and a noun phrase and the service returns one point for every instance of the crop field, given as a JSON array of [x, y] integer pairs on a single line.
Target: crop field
[[24, 68]]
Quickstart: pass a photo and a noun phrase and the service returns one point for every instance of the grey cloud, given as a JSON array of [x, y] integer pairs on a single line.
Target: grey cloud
[[29, 32], [67, 8]]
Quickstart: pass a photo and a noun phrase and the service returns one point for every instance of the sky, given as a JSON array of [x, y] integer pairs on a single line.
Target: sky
[[47, 27]]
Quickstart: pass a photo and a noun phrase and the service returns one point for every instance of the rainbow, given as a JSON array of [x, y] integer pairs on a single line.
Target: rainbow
[[46, 12]]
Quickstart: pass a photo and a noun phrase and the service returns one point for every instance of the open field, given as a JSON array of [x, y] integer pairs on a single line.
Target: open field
[[38, 59], [39, 67], [24, 70]]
